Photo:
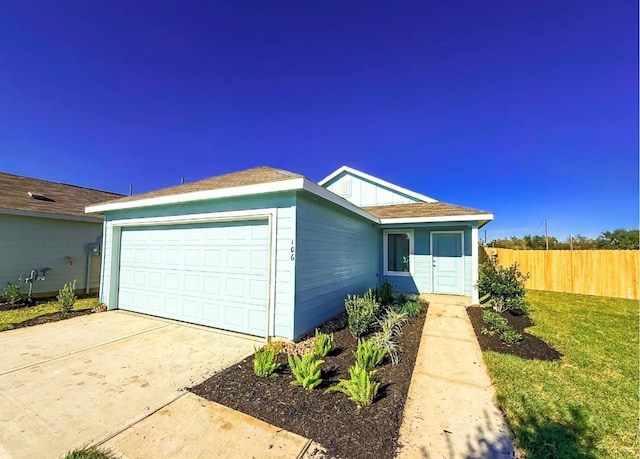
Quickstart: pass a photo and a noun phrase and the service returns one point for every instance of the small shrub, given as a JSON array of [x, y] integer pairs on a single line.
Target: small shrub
[[90, 453], [499, 325], [510, 336], [392, 322], [67, 296], [12, 293], [275, 346], [322, 344], [385, 293], [361, 312], [306, 371], [360, 388], [504, 286], [412, 308], [264, 361], [402, 298], [494, 320], [369, 354], [385, 341]]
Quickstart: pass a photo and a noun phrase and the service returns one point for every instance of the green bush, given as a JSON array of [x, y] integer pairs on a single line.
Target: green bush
[[264, 361], [322, 344], [360, 388], [12, 293], [361, 312], [306, 370], [499, 325], [369, 354], [90, 453], [67, 296], [504, 286], [494, 320], [385, 294], [411, 308], [510, 336]]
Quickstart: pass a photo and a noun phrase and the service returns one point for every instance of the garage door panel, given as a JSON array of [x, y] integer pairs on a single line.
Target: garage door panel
[[214, 274]]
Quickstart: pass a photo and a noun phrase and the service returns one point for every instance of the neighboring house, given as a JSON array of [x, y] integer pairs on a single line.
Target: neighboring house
[[43, 227], [271, 253]]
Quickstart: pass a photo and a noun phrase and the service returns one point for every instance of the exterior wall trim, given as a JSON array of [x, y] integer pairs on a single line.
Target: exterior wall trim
[[461, 233], [475, 296]]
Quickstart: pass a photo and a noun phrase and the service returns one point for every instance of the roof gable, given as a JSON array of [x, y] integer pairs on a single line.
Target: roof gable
[[20, 194], [363, 189]]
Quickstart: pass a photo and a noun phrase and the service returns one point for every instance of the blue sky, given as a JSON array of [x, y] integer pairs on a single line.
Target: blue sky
[[528, 109]]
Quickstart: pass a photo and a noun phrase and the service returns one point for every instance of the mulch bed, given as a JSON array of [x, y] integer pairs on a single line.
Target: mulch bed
[[329, 419], [17, 305], [51, 317], [531, 347]]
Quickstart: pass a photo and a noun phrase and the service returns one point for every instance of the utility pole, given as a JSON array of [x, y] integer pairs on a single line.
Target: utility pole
[[182, 181], [546, 234], [570, 241], [130, 190], [485, 237]]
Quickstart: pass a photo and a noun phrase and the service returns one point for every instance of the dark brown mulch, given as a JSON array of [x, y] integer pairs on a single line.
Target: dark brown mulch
[[51, 317], [17, 305], [531, 347], [329, 419]]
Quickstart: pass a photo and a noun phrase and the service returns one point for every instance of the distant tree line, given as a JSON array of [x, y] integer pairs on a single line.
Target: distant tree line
[[621, 239]]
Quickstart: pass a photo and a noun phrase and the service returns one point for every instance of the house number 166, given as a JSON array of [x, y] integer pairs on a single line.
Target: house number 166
[[293, 252]]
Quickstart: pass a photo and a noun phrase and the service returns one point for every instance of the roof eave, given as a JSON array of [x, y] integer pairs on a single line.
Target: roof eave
[[55, 216], [484, 218], [245, 190]]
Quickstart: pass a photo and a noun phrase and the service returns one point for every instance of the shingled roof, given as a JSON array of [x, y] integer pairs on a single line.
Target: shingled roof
[[18, 193], [257, 175], [422, 209]]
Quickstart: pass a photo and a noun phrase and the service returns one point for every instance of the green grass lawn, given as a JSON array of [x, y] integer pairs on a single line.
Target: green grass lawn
[[14, 316], [586, 404]]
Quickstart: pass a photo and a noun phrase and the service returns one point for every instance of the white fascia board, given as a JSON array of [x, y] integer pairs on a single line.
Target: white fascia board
[[452, 218], [371, 178], [75, 218], [246, 190], [323, 193]]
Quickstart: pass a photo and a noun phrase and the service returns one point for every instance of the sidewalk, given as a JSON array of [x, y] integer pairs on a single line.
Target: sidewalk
[[450, 410]]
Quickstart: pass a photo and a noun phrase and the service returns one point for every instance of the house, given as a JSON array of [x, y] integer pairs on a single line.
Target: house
[[43, 228], [268, 252]]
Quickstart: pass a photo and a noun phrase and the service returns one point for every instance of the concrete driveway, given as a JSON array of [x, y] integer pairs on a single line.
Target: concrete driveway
[[84, 380]]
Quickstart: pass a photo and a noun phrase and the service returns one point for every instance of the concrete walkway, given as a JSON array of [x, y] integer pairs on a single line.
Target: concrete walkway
[[450, 410]]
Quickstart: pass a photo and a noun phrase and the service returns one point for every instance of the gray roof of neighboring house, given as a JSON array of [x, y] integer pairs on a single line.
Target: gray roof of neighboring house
[[48, 197], [422, 209], [257, 175]]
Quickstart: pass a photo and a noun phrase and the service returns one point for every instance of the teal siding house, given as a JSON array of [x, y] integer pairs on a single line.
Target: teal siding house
[[268, 252]]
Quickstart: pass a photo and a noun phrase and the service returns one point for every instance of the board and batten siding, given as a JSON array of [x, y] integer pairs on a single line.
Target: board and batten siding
[[28, 243], [337, 254], [285, 238], [421, 281], [363, 193]]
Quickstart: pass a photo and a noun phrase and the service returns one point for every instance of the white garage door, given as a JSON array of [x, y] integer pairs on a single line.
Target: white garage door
[[208, 274]]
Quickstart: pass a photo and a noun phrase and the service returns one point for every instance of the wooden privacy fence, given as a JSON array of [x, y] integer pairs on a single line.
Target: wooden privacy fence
[[590, 272]]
